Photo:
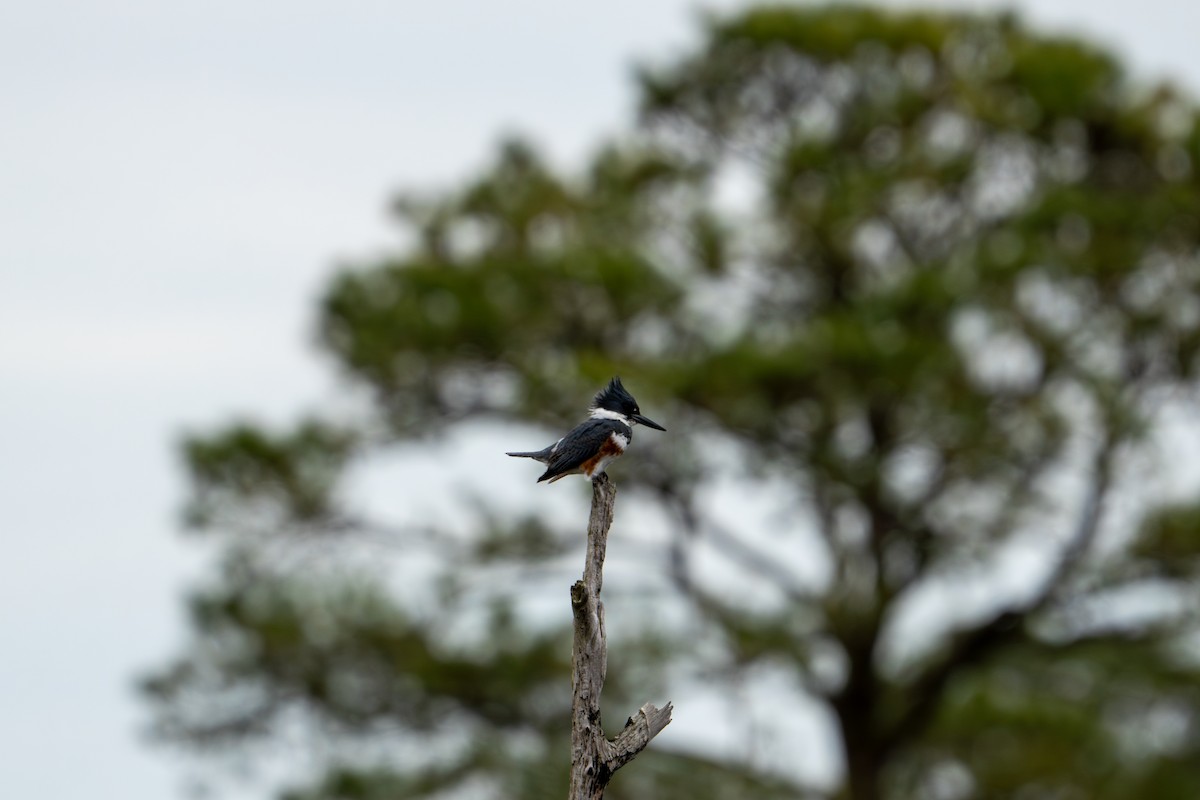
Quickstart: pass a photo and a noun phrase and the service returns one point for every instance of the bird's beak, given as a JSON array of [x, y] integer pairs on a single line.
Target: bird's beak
[[649, 423]]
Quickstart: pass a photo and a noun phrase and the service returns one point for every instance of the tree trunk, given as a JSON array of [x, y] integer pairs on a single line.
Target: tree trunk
[[857, 707], [594, 759], [862, 771]]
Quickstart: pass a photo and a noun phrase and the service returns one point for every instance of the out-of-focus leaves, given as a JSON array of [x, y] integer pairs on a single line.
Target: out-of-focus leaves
[[661, 774], [346, 655], [1170, 539], [528, 540], [1071, 718], [248, 471]]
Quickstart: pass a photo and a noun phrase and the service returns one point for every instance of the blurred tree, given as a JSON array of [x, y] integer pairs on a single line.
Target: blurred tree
[[929, 278]]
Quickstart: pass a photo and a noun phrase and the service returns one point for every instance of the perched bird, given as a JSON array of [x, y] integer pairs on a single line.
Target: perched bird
[[589, 448]]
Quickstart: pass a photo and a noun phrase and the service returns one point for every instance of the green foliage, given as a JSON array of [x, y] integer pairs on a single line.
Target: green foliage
[[1099, 718], [659, 775], [291, 477], [1170, 540], [928, 274], [354, 659]]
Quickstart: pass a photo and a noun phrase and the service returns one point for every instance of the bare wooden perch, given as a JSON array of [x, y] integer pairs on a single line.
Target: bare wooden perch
[[594, 759]]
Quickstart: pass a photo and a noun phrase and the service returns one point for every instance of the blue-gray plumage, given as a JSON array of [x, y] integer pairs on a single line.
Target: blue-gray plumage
[[592, 444]]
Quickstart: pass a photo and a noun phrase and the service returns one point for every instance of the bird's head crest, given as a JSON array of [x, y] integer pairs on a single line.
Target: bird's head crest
[[615, 397]]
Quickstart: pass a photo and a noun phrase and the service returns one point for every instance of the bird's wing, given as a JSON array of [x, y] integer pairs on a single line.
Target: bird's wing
[[579, 445]]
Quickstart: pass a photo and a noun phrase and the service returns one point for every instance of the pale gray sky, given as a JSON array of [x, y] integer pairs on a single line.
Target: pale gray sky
[[175, 181]]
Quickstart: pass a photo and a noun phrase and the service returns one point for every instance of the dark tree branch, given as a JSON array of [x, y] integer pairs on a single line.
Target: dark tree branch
[[594, 759], [762, 564], [1007, 627], [969, 648], [1086, 527]]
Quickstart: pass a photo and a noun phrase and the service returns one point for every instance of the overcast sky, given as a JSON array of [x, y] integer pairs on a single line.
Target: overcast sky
[[176, 178]]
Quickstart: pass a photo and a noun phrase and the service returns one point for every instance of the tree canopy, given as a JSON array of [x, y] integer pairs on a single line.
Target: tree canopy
[[928, 278]]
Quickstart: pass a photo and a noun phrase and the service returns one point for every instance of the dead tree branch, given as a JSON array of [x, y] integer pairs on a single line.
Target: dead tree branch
[[594, 759]]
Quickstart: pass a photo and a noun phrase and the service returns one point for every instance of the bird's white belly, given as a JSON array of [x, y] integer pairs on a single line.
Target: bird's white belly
[[614, 448], [600, 465]]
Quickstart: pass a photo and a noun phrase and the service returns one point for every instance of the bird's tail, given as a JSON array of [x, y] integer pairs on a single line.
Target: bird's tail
[[538, 455]]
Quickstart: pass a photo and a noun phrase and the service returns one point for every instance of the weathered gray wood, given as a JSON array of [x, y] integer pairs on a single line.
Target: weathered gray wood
[[594, 758]]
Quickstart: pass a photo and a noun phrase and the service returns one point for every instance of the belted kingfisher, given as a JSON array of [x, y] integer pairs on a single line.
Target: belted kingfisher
[[589, 448]]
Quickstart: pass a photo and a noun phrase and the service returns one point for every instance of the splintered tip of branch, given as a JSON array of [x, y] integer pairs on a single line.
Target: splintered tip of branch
[[639, 730], [656, 718]]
